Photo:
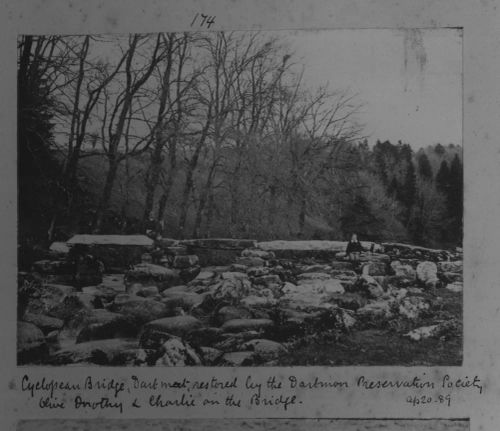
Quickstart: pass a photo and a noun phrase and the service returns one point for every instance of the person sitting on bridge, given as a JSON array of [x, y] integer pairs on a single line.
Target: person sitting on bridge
[[354, 248]]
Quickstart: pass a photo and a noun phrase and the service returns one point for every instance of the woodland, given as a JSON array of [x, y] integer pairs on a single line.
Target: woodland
[[213, 135]]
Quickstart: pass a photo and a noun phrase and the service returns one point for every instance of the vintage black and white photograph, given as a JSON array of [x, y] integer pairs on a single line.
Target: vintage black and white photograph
[[271, 198], [247, 424]]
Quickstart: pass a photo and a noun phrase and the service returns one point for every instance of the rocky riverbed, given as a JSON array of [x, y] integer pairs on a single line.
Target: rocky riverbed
[[271, 304]]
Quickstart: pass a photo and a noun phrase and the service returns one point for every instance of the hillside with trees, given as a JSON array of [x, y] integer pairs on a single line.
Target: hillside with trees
[[213, 135]]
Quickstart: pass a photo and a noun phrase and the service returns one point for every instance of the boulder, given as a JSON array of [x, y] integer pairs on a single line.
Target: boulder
[[250, 261], [258, 253], [318, 283], [427, 273], [258, 271], [405, 271], [241, 325], [148, 273], [455, 287], [188, 274], [379, 308], [411, 307], [422, 333], [451, 277], [148, 292], [210, 356], [369, 286], [179, 326], [105, 293], [100, 325], [185, 300], [140, 310], [74, 303], [349, 301], [304, 296], [185, 261], [231, 289], [31, 346], [59, 248], [238, 359], [47, 296], [101, 352], [265, 349], [375, 268], [258, 301], [45, 323], [455, 267], [230, 312], [176, 353]]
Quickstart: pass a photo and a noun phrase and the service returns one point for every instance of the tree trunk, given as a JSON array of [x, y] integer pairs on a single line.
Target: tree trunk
[[188, 186], [203, 200], [106, 195], [153, 177]]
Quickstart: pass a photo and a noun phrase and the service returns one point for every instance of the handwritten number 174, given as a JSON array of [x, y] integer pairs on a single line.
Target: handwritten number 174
[[203, 20]]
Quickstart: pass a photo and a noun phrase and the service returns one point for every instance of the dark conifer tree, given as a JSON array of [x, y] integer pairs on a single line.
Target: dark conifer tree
[[443, 178], [424, 167]]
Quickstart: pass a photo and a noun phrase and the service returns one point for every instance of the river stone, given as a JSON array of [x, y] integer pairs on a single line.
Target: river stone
[[176, 353], [369, 286], [45, 323], [101, 325], [185, 261], [451, 277], [141, 310], [350, 301], [210, 355], [184, 300], [266, 349], [258, 301], [31, 345], [376, 268], [456, 266], [411, 307], [106, 293], [427, 273], [379, 308], [230, 312], [258, 253], [321, 285], [401, 270], [455, 287], [47, 296], [231, 289], [422, 333], [179, 326], [100, 352], [250, 261], [74, 303], [148, 273], [238, 359], [240, 325], [258, 271]]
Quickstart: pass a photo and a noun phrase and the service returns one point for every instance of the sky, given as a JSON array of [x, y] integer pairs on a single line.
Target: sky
[[409, 81]]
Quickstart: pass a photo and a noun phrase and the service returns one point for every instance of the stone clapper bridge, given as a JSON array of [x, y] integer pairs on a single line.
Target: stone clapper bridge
[[217, 301]]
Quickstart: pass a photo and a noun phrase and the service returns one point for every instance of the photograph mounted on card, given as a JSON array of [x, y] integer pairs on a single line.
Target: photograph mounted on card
[[272, 198]]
